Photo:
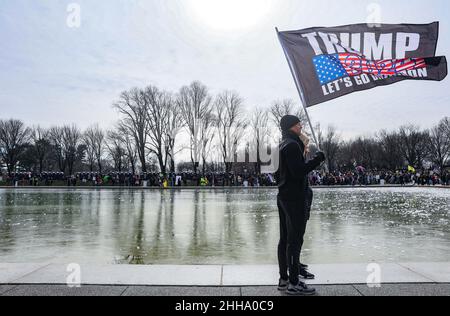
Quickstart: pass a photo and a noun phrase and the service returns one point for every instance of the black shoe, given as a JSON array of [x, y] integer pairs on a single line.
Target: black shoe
[[301, 289], [303, 266], [283, 285], [306, 275]]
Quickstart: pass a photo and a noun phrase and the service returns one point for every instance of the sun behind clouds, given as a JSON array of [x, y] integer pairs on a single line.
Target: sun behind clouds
[[230, 14]]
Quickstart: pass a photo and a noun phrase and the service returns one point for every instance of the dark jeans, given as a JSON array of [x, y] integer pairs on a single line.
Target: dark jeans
[[292, 231]]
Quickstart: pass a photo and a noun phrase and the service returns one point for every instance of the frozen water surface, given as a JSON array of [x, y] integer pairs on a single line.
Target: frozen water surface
[[220, 226]]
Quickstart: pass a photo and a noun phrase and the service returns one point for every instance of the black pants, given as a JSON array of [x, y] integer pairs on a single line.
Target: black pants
[[292, 231]]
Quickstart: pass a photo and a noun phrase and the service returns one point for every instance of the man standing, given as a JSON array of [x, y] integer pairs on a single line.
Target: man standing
[[292, 198]]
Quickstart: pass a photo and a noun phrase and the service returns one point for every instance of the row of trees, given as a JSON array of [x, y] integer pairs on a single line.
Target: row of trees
[[145, 137], [154, 118], [154, 123], [392, 150]]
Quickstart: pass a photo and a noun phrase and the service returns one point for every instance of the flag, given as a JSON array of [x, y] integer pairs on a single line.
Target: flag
[[328, 63], [332, 67], [356, 65]]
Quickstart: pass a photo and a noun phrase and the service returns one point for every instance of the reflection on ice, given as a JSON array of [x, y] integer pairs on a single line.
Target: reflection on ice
[[221, 226]]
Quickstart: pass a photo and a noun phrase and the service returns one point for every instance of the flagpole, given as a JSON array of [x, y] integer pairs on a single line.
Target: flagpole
[[300, 91], [301, 95]]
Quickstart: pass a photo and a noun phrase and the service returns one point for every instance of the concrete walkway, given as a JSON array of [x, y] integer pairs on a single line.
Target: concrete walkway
[[410, 279], [259, 291], [218, 275]]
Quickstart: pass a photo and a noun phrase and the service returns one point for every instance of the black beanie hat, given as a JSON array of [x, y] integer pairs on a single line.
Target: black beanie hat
[[288, 121]]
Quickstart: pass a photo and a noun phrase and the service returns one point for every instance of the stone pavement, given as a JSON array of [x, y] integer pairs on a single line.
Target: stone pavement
[[322, 290], [219, 275], [409, 279]]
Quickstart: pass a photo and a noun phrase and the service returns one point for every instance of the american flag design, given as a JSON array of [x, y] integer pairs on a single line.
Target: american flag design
[[332, 67]]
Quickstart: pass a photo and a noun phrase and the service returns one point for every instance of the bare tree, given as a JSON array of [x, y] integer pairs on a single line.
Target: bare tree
[[330, 144], [439, 143], [207, 135], [231, 125], [56, 137], [446, 126], [13, 139], [259, 133], [90, 148], [174, 126], [346, 157], [413, 145], [195, 105], [94, 139], [71, 141], [127, 139], [366, 152], [116, 149], [133, 107], [41, 145], [287, 107], [159, 114], [391, 155]]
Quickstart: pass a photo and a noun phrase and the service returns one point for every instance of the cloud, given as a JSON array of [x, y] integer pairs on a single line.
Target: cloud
[[47, 67]]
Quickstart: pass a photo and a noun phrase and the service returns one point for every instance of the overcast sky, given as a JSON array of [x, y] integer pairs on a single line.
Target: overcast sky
[[51, 73]]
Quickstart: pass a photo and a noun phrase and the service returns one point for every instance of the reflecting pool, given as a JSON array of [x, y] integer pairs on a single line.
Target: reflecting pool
[[238, 226]]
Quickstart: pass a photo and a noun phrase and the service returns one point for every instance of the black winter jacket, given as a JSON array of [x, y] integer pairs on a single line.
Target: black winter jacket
[[293, 169]]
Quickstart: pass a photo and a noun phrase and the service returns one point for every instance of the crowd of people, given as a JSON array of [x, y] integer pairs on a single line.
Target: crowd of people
[[190, 179], [383, 177], [183, 179]]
